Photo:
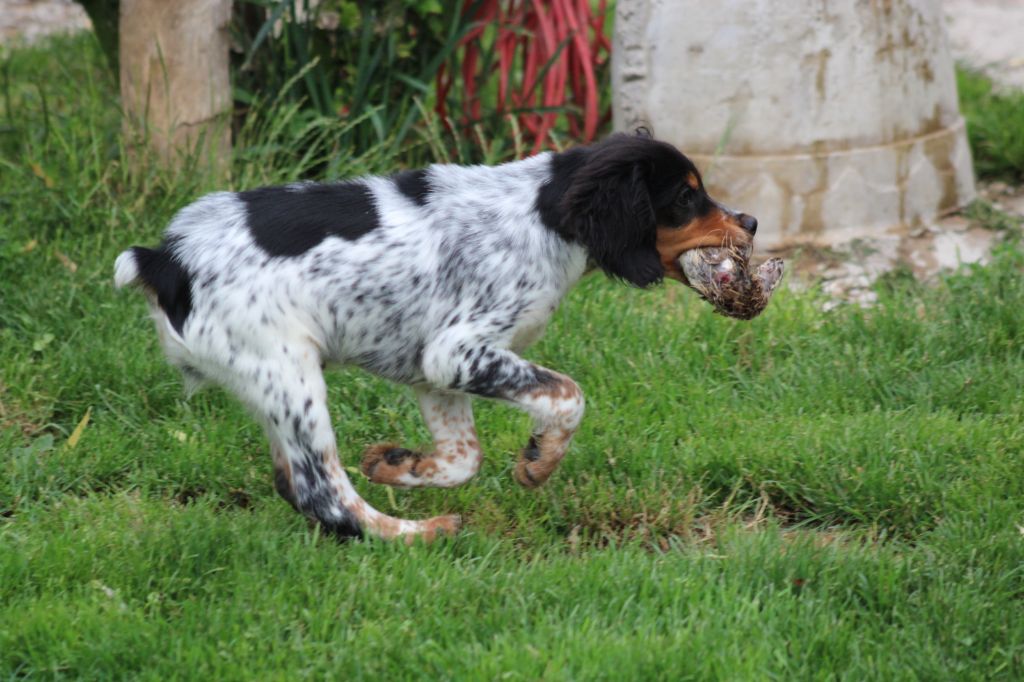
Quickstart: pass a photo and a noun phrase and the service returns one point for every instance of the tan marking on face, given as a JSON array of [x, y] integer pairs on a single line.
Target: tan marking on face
[[693, 181], [717, 228]]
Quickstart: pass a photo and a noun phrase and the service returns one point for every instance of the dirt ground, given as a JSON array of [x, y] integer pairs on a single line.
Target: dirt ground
[[847, 271]]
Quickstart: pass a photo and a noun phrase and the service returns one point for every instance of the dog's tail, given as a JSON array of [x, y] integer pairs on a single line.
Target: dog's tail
[[126, 269], [159, 272]]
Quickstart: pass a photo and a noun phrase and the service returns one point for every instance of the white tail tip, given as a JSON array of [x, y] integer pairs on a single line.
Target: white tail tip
[[126, 270]]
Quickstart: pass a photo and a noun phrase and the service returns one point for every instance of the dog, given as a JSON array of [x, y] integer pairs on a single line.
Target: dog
[[436, 278]]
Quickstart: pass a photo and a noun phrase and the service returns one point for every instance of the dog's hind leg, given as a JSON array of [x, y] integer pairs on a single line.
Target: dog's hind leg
[[456, 456], [291, 398]]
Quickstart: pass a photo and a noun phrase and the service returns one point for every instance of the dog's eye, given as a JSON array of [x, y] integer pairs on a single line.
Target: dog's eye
[[685, 198]]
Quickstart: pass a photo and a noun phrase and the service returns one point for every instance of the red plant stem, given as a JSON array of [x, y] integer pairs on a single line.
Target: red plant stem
[[563, 38]]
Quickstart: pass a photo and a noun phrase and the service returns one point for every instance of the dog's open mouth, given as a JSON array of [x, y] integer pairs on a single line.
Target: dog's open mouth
[[724, 277]]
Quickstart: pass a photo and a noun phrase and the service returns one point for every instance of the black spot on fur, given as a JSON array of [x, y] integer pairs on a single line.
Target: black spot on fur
[[531, 453], [290, 221], [496, 376], [414, 184], [160, 271], [396, 456]]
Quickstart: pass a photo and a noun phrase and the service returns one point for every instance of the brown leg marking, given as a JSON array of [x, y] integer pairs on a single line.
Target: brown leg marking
[[389, 464], [541, 457], [553, 400], [456, 456], [389, 527], [558, 409]]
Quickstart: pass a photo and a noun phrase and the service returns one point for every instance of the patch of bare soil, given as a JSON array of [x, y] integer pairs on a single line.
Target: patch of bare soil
[[847, 272]]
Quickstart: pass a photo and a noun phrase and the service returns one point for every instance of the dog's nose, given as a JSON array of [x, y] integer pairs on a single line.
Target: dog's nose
[[748, 223]]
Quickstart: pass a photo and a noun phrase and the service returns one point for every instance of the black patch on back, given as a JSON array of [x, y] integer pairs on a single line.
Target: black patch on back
[[414, 185], [161, 272], [549, 199], [290, 221]]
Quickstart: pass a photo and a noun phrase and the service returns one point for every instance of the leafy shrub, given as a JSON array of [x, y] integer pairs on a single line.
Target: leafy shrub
[[496, 72]]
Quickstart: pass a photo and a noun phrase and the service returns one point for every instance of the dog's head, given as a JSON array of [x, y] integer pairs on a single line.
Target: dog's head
[[637, 204]]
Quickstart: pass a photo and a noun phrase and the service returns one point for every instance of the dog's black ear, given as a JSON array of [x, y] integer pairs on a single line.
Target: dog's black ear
[[608, 208]]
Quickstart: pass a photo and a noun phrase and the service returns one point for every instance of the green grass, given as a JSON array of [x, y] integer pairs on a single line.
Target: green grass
[[806, 496], [994, 123]]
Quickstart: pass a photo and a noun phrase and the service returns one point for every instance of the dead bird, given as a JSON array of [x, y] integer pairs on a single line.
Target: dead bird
[[723, 277]]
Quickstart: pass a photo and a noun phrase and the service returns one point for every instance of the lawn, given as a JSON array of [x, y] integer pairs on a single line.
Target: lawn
[[806, 496]]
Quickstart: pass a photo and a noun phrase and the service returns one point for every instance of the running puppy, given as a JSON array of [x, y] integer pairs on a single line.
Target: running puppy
[[436, 278]]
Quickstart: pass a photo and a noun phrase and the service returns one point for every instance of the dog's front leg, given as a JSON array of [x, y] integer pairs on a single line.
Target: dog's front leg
[[553, 400]]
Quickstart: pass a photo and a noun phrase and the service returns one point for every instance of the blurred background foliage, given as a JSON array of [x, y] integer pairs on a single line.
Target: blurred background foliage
[[421, 80]]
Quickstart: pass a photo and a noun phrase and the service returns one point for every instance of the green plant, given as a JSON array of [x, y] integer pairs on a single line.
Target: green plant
[[995, 126], [505, 77], [367, 64], [536, 62]]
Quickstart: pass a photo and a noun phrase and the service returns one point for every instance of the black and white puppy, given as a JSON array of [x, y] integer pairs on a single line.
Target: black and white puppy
[[436, 278]]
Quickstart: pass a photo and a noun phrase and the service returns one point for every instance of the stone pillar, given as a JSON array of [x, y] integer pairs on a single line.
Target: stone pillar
[[826, 120], [175, 78]]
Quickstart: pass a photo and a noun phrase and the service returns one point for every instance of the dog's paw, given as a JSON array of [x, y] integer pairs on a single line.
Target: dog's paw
[[393, 465], [531, 470], [436, 527], [383, 462]]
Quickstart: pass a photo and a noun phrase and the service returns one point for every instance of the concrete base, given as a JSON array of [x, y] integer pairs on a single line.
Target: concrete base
[[833, 197], [825, 120]]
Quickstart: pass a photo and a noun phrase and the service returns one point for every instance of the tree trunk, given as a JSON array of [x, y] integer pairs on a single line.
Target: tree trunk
[[175, 81]]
